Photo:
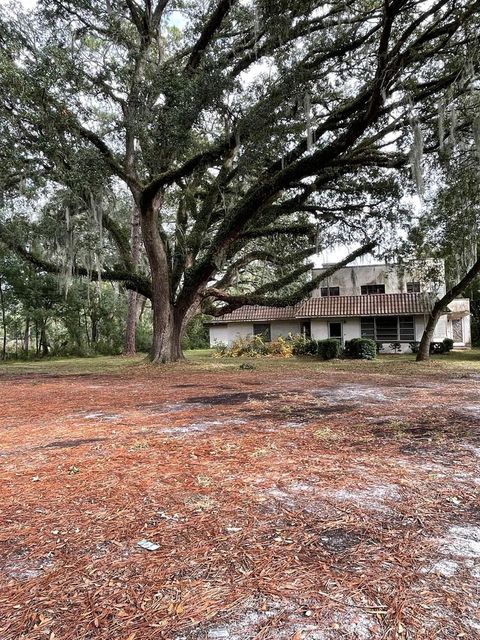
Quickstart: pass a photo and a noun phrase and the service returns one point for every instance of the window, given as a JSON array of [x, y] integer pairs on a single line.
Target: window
[[306, 329], [413, 287], [407, 328], [388, 328], [335, 330], [330, 291], [262, 330], [368, 289], [368, 327]]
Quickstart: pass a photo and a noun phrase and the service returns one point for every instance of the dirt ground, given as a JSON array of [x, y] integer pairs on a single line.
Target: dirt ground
[[284, 503]]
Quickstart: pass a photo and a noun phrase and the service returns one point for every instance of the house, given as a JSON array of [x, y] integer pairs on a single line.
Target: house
[[388, 303]]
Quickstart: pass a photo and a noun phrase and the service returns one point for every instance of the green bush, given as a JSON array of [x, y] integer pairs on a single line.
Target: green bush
[[361, 349], [448, 344], [328, 349], [196, 334], [303, 346], [324, 349], [437, 347]]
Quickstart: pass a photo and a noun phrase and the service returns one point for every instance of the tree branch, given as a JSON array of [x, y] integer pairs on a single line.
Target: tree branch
[[256, 298], [208, 33], [131, 280]]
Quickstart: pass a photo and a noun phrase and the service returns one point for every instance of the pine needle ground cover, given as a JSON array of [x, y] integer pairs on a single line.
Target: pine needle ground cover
[[294, 502]]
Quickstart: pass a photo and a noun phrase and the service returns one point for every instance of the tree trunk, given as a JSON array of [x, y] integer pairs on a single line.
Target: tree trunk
[[4, 323], [167, 322], [129, 348], [26, 336], [94, 323], [439, 307], [427, 336], [44, 340]]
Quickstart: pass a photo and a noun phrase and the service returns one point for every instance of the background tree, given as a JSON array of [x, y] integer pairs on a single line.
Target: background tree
[[449, 226], [229, 123]]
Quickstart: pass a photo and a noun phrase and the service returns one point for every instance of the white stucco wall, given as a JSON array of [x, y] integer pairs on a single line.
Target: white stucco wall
[[430, 274], [460, 306], [319, 329], [227, 333], [284, 327], [240, 330], [440, 330], [419, 327], [351, 327], [218, 335]]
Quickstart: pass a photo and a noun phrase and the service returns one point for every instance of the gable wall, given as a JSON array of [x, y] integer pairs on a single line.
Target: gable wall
[[395, 278]]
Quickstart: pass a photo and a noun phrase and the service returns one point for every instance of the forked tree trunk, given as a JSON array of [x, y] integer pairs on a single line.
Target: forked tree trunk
[[129, 348], [167, 334], [439, 307], [167, 322]]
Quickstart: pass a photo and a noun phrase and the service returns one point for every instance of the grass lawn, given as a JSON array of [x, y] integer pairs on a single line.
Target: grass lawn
[[302, 500]]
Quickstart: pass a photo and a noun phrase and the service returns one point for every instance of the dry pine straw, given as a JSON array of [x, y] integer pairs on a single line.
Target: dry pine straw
[[321, 498]]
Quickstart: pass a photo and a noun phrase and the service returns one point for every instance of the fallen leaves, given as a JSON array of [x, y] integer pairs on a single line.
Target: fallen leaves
[[238, 519]]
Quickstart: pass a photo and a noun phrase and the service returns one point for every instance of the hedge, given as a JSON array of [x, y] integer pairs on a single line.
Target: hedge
[[326, 349], [329, 349], [361, 349]]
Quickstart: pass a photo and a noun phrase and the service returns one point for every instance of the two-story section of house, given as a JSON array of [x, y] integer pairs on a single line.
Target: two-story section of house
[[388, 303]]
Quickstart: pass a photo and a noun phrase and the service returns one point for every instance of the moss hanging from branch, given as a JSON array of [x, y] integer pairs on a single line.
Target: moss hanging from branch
[[416, 156]]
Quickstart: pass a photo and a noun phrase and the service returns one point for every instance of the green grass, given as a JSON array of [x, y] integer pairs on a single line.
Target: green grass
[[70, 366], [456, 362]]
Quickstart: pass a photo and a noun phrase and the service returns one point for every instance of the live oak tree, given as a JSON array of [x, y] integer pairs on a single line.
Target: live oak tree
[[450, 228], [230, 123]]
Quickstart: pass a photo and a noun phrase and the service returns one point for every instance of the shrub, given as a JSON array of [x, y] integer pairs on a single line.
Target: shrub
[[437, 347], [325, 349], [361, 349], [280, 347], [448, 344], [396, 347], [414, 346], [254, 347], [303, 346], [328, 349]]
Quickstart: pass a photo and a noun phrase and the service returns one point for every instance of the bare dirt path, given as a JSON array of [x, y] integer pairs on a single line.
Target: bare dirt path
[[285, 505]]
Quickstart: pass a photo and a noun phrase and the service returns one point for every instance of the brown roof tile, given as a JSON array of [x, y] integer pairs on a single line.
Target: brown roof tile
[[256, 313], [382, 304]]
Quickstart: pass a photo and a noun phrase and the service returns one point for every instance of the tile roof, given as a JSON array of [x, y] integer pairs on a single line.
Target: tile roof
[[254, 313], [382, 304]]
